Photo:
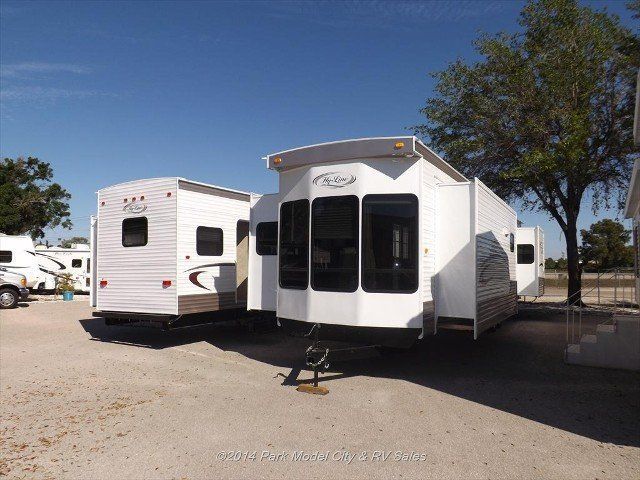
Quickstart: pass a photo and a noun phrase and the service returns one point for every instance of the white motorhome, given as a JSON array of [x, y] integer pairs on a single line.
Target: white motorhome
[[381, 240], [56, 261], [530, 261], [167, 247], [17, 254]]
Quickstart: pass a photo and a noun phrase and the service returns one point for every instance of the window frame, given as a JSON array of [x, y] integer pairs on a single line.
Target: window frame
[[308, 235], [146, 231], [4, 252], [258, 247], [356, 267], [512, 242], [533, 254], [202, 228], [416, 204]]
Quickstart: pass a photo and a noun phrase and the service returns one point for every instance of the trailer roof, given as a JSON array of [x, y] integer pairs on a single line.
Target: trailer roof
[[178, 179], [376, 147]]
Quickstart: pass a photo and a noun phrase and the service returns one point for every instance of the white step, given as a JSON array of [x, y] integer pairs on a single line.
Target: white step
[[613, 346], [606, 328]]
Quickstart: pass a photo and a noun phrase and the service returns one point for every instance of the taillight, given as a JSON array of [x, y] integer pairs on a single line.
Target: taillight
[[103, 283], [166, 283]]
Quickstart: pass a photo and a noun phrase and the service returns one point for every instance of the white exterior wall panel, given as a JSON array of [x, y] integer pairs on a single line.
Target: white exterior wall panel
[[455, 260], [431, 178], [205, 282], [134, 275]]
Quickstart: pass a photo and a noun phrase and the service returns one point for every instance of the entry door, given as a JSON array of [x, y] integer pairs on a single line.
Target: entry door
[[242, 260]]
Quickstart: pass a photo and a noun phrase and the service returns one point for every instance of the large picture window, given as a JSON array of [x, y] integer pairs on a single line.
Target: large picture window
[[267, 238], [294, 244], [390, 243], [525, 253], [209, 241], [334, 244], [135, 232]]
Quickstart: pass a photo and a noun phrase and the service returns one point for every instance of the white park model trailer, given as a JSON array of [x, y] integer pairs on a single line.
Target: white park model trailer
[[55, 262], [382, 240], [164, 248]]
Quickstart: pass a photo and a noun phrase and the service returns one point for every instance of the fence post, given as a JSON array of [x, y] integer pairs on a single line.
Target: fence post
[[615, 286], [598, 285]]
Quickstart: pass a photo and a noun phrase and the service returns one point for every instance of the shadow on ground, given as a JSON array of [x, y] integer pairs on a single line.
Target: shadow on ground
[[518, 369]]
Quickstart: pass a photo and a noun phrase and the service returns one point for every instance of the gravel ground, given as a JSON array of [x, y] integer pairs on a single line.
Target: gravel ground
[[82, 400]]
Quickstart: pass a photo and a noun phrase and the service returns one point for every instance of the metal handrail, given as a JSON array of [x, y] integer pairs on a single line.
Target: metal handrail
[[572, 308]]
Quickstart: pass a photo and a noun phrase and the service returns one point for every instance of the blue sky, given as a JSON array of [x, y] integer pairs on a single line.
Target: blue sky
[[114, 91]]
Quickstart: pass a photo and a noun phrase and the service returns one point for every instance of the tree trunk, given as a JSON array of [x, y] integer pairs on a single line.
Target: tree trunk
[[573, 265]]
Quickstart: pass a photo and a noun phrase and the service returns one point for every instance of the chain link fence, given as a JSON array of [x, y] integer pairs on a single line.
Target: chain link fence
[[615, 286]]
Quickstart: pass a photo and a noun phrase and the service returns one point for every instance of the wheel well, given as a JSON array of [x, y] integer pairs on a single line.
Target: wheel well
[[11, 287]]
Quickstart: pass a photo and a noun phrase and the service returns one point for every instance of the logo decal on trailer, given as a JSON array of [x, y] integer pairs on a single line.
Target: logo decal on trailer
[[193, 276], [334, 180], [134, 207]]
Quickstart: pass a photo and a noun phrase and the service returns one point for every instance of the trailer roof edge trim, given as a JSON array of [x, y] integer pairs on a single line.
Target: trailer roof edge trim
[[178, 180], [374, 147]]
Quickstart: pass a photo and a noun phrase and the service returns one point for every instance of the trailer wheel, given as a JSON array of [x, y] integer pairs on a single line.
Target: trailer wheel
[[8, 298]]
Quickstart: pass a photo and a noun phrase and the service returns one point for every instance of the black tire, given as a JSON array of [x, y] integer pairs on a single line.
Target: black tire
[[8, 298]]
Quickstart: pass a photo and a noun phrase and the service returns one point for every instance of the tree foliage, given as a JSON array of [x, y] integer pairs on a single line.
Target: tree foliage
[[67, 243], [29, 201], [605, 245], [546, 115]]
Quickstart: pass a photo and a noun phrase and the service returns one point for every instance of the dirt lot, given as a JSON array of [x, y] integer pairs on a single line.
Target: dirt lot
[[81, 400]]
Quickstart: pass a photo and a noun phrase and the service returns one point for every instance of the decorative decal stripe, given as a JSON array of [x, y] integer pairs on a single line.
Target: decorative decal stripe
[[228, 264], [50, 272], [62, 266], [193, 278]]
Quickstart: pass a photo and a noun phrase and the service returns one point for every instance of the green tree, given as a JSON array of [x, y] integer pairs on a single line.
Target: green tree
[[29, 201], [546, 115], [605, 245], [70, 241], [550, 264], [562, 263]]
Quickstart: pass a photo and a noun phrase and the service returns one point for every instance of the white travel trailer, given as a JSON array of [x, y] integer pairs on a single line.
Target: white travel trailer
[[17, 254], [164, 248], [381, 240], [56, 261], [530, 257]]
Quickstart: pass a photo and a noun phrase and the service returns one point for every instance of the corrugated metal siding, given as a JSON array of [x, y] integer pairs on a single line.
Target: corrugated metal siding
[[135, 274], [207, 210], [496, 292]]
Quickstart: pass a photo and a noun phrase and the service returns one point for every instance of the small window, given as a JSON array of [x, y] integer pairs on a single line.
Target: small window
[[334, 244], [267, 238], [88, 265], [390, 243], [512, 242], [134, 232], [209, 241], [76, 263], [525, 253], [294, 245], [6, 256]]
